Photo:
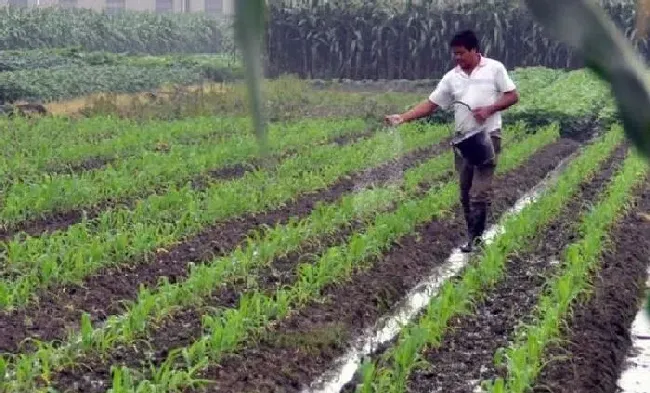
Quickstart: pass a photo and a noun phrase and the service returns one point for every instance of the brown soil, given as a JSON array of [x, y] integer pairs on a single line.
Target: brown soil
[[86, 164], [302, 346], [60, 308], [60, 220], [465, 355], [597, 338]]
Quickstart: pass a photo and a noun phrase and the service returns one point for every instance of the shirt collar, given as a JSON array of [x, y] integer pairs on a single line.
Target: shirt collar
[[481, 63]]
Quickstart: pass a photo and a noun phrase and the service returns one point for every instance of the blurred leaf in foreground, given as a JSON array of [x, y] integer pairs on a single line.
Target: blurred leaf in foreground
[[249, 30], [584, 25]]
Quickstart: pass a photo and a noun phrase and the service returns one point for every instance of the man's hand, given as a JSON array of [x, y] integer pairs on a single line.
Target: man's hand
[[422, 109], [394, 120], [506, 101], [482, 113]]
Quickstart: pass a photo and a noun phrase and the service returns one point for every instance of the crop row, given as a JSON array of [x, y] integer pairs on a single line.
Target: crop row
[[523, 359], [391, 372], [264, 248], [119, 233], [54, 143], [153, 170]]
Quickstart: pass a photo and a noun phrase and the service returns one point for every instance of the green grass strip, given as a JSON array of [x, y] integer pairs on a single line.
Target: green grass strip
[[161, 220], [524, 357], [456, 297], [260, 249]]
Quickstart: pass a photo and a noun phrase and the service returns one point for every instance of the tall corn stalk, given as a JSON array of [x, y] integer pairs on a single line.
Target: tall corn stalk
[[364, 40], [129, 31]]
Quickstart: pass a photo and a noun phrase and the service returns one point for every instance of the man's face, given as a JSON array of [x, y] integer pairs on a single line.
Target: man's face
[[463, 57]]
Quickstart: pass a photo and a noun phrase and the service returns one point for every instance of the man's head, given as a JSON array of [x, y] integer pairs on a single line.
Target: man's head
[[464, 46]]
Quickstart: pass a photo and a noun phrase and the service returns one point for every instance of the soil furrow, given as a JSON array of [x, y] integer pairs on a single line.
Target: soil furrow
[[84, 165], [465, 356], [59, 220], [596, 339], [60, 308], [185, 327], [324, 327], [300, 348]]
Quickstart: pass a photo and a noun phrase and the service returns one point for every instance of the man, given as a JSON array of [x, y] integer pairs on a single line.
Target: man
[[484, 85]]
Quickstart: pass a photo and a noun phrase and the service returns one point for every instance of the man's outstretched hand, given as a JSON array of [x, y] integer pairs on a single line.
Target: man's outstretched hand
[[394, 120]]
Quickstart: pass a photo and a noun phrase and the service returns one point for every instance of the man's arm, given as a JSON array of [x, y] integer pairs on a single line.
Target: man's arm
[[506, 85], [508, 99], [423, 109], [440, 96]]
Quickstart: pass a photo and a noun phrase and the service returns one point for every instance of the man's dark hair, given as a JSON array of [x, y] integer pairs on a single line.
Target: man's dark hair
[[466, 39]]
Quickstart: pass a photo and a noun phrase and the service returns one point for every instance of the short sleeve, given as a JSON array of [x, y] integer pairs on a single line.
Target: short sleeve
[[442, 96], [503, 81]]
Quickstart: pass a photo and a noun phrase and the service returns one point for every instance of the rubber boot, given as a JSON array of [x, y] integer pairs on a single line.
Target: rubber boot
[[476, 226], [479, 211], [468, 220]]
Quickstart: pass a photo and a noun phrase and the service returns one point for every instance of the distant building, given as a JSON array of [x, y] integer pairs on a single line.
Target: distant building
[[223, 7]]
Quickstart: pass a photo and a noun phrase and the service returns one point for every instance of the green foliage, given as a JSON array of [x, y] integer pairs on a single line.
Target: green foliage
[[128, 31], [17, 60], [71, 81]]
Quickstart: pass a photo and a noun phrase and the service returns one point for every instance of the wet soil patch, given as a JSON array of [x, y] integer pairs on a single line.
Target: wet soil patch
[[59, 220], [323, 329], [465, 355], [280, 361], [101, 294], [87, 164], [597, 337]]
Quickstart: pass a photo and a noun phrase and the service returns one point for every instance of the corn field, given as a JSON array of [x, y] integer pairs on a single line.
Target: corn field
[[129, 31], [367, 42]]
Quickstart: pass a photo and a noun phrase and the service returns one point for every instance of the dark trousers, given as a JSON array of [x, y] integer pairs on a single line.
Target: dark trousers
[[476, 189]]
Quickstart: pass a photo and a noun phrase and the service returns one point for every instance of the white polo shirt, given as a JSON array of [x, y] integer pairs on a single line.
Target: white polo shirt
[[483, 87]]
